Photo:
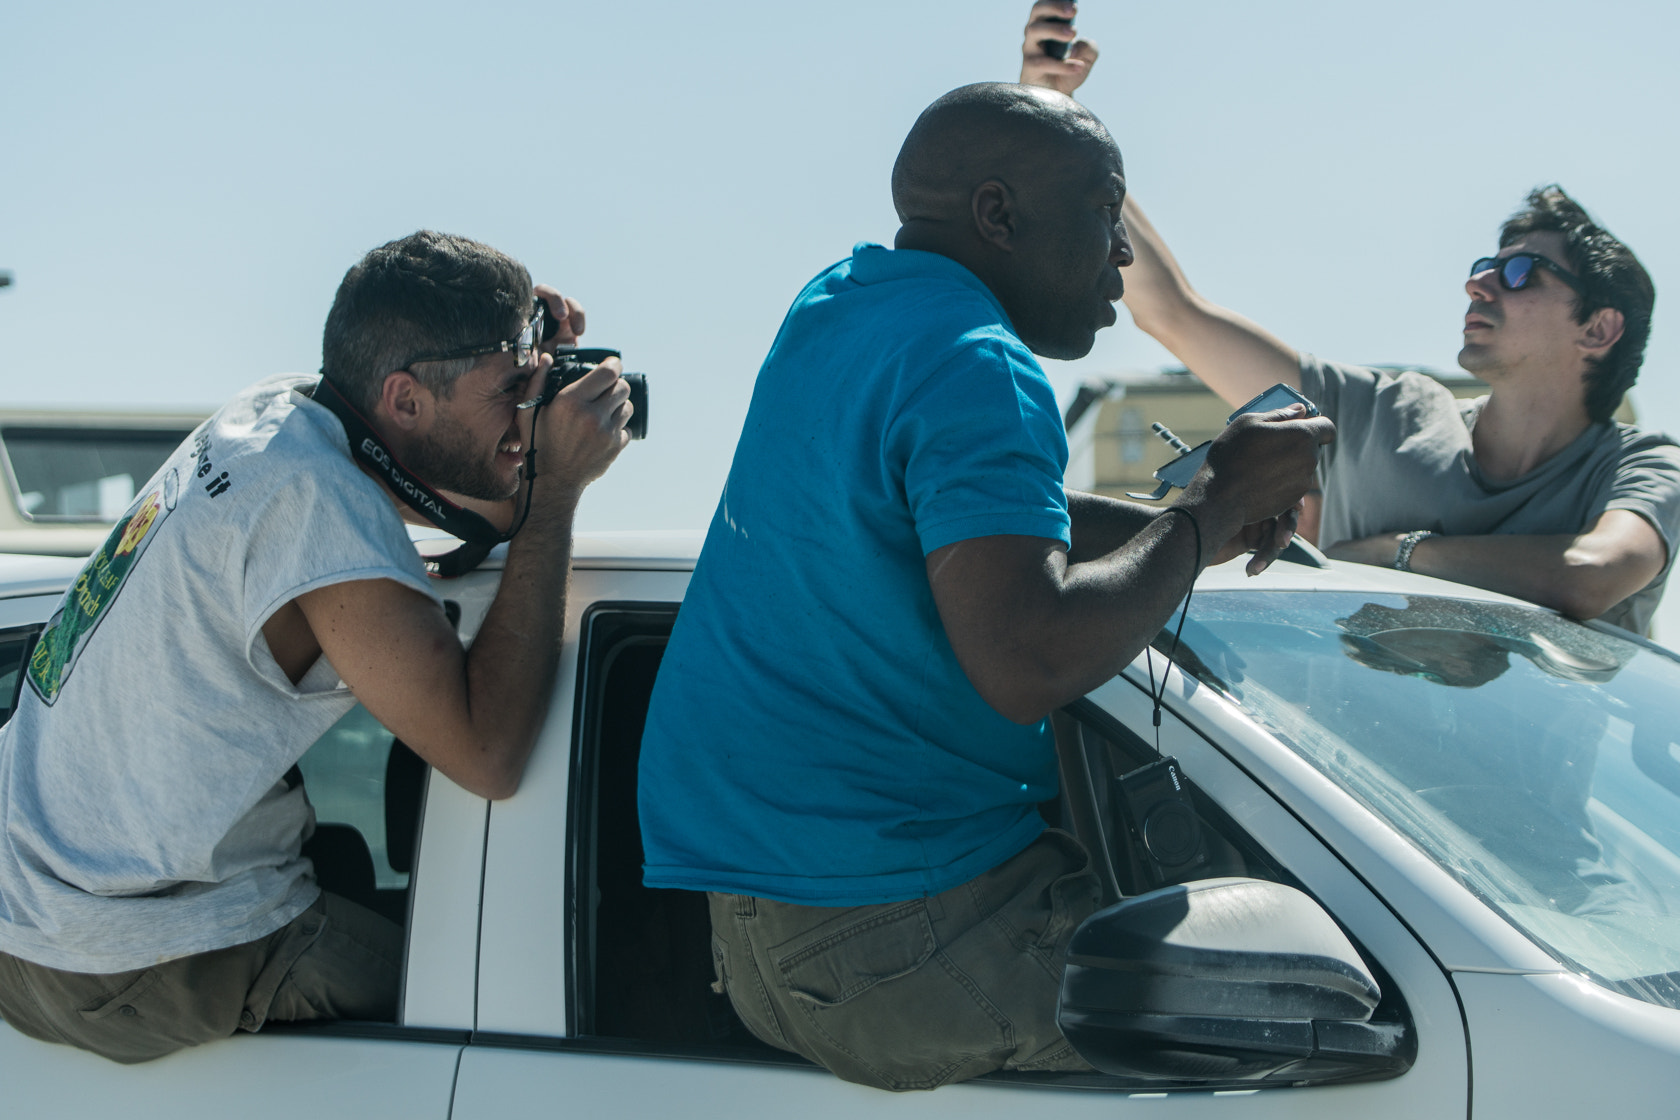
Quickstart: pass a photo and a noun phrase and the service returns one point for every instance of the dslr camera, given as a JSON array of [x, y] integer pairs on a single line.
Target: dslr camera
[[570, 365]]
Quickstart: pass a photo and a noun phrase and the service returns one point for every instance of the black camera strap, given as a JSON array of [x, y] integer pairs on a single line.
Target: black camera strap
[[479, 535]]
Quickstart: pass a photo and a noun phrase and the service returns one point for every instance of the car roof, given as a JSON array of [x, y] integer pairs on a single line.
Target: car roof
[[36, 575], [1304, 568], [126, 419], [642, 549], [1301, 568]]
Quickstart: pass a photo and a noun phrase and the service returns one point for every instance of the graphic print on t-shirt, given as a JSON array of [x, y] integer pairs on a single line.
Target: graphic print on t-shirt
[[95, 588]]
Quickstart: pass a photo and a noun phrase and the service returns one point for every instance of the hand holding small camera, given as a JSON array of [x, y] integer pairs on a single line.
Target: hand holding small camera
[[564, 319], [579, 431]]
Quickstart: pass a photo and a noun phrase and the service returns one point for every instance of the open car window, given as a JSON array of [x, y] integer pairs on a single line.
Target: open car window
[[642, 960]]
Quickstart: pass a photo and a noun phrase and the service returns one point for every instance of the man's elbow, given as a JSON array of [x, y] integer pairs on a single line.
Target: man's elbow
[[500, 789], [1588, 591], [1025, 697], [1025, 711], [494, 778]]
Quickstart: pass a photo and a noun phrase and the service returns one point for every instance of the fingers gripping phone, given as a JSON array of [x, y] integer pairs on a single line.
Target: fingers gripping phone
[[1055, 48], [1181, 470]]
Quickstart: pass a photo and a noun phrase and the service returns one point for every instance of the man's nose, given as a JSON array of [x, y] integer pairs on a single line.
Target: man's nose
[[1483, 285], [1120, 251]]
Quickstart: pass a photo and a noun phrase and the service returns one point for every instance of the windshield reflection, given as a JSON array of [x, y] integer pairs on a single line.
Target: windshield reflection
[[1530, 756]]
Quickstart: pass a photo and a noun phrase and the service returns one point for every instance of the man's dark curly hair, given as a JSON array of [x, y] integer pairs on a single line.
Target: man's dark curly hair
[[1612, 276], [427, 293]]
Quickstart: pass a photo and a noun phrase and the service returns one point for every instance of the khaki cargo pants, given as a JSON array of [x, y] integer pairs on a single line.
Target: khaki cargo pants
[[916, 994], [336, 960]]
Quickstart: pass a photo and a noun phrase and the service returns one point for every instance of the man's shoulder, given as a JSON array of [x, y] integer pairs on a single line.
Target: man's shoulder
[[1382, 395], [276, 422], [277, 452], [1380, 380], [933, 292], [1630, 440]]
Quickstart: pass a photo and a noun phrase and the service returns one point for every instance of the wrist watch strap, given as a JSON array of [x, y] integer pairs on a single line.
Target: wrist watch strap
[[1403, 554]]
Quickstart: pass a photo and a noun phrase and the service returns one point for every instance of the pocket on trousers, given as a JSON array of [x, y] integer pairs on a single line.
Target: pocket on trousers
[[720, 971], [123, 1002], [893, 1010], [848, 962]]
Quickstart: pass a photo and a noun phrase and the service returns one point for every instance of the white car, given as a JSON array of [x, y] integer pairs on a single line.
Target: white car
[[1476, 803], [67, 475]]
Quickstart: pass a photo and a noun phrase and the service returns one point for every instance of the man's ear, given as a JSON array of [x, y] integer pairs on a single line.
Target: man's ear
[[1602, 330], [404, 403], [996, 214]]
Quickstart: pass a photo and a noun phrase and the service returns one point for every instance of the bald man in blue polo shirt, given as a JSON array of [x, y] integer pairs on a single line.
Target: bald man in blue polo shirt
[[849, 734]]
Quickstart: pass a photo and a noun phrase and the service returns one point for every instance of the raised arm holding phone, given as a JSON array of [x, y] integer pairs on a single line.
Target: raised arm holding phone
[[1533, 490]]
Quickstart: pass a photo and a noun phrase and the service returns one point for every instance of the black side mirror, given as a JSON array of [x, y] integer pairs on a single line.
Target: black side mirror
[[1226, 980]]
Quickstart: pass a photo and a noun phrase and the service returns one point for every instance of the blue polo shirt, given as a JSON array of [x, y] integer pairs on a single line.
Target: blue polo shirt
[[811, 736]]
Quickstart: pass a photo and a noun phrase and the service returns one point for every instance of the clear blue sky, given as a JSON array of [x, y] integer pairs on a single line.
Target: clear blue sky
[[183, 185]]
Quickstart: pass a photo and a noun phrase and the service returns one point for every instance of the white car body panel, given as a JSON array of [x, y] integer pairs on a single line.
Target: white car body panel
[[487, 972], [26, 610], [523, 968], [440, 977], [1562, 1046], [36, 575], [265, 1076]]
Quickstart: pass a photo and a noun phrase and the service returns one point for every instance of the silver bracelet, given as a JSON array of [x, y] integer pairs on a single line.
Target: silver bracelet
[[1403, 554]]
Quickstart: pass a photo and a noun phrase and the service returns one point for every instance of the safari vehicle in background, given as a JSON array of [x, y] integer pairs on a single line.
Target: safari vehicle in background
[[1416, 854], [69, 474]]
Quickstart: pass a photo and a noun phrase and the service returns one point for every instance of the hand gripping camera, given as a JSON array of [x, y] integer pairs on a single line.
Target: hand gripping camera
[[570, 365]]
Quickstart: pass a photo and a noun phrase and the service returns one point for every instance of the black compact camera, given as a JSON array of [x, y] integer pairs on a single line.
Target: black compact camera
[[570, 365], [1165, 828]]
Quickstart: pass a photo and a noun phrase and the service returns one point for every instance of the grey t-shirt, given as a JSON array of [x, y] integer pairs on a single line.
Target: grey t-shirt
[[143, 807], [1403, 460]]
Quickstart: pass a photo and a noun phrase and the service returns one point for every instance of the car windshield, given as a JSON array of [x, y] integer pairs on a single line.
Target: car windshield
[[83, 474], [1537, 760]]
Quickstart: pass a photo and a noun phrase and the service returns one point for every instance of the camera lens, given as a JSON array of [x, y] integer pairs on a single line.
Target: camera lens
[[637, 427], [569, 365]]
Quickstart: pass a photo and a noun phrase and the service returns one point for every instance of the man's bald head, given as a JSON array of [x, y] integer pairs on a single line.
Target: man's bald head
[[1022, 186], [993, 130]]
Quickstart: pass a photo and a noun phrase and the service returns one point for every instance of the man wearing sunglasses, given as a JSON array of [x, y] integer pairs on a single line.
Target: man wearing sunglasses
[[153, 894], [1532, 490]]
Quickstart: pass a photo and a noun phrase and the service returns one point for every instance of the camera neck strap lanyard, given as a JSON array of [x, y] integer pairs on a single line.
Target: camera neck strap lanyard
[[1155, 696], [477, 533]]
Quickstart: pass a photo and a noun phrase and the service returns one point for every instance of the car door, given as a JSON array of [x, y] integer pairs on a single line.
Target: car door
[[402, 840], [594, 992]]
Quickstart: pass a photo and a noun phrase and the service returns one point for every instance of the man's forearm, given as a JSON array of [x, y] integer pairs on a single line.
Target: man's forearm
[[1035, 629], [1233, 355], [1111, 607], [1101, 524], [1581, 575], [516, 653]]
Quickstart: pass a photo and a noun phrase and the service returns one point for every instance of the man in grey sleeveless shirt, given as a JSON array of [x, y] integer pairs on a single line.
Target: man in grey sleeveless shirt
[[153, 894]]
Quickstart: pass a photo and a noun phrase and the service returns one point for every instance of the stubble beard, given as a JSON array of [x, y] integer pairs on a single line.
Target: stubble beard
[[447, 459], [1474, 359]]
